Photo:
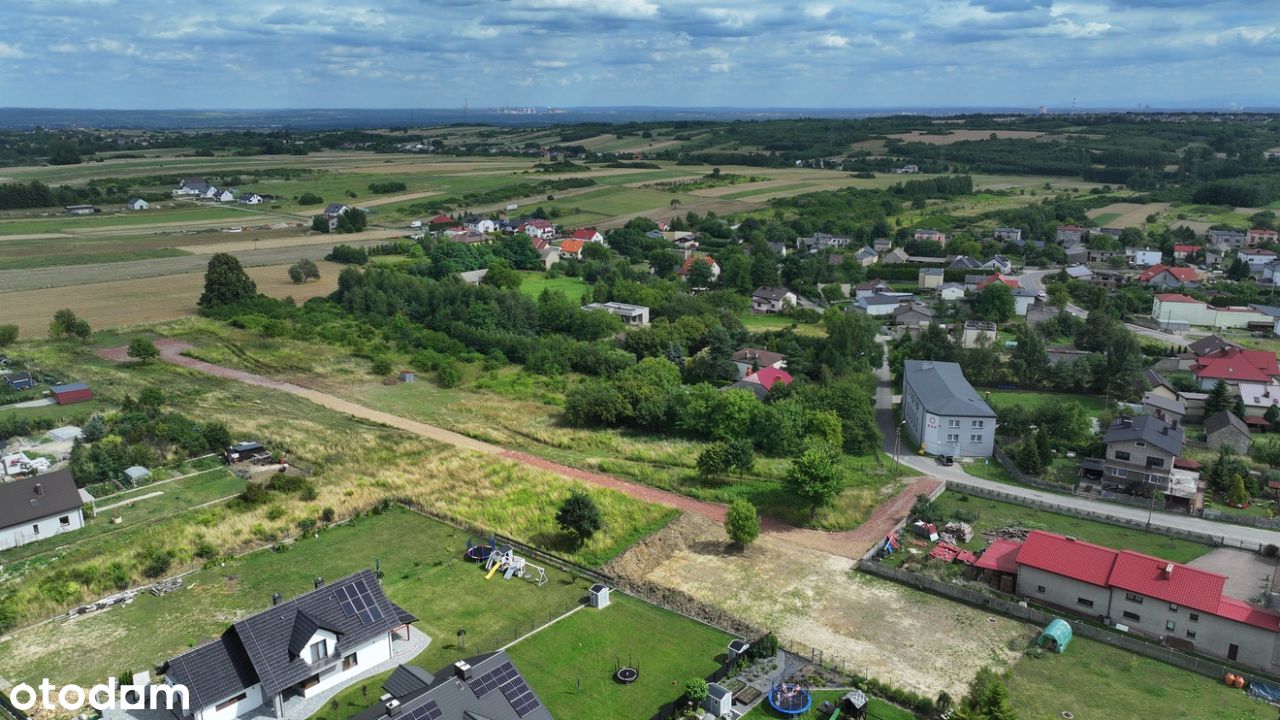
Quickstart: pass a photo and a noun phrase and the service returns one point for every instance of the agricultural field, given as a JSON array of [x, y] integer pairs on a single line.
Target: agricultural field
[[1126, 215], [584, 647], [992, 514], [1093, 680]]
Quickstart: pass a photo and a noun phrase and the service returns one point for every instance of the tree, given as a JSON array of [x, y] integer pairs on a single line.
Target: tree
[[994, 302], [8, 334], [815, 478], [64, 152], [579, 517], [1042, 447], [713, 461], [1219, 398], [742, 522], [695, 691], [739, 453], [226, 283], [1236, 493], [1029, 360], [502, 275], [320, 223], [1272, 416], [1238, 270], [1224, 468], [304, 270], [66, 324], [699, 275], [95, 429], [142, 350], [150, 399], [925, 509]]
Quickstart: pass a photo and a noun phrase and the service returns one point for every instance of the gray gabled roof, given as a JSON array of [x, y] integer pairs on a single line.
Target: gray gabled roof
[[213, 671], [964, 262], [1148, 429], [760, 391], [32, 498], [1161, 402], [495, 691], [1209, 344], [408, 679], [943, 389], [1222, 420], [774, 294]]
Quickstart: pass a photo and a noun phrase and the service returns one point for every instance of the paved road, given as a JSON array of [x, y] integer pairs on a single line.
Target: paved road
[[1232, 534], [1034, 280]]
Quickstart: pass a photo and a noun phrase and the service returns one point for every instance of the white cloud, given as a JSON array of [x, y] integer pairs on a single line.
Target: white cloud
[[833, 40], [720, 67], [11, 52]]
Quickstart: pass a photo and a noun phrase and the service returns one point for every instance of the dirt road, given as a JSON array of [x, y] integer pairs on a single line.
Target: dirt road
[[851, 544]]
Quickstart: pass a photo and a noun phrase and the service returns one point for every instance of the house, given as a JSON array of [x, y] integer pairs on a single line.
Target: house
[[225, 196], [870, 287], [538, 228], [976, 332], [1077, 254], [882, 245], [768, 377], [1258, 397], [549, 256], [777, 248], [191, 186], [906, 170], [1069, 234], [950, 292], [1210, 344], [822, 241], [441, 220], [297, 648], [588, 235], [894, 256], [750, 360], [332, 212], [473, 277], [879, 304], [1023, 299], [1256, 257], [1166, 409], [943, 413], [930, 235], [20, 381], [484, 687], [137, 204], [1011, 283], [1234, 366], [250, 199], [1182, 252], [971, 281], [929, 278], [998, 263], [1140, 453], [1143, 257], [1181, 606], [865, 257], [1224, 428], [81, 209], [630, 314], [706, 259], [71, 393], [1006, 234], [760, 391], [38, 507], [480, 224], [1258, 236], [1174, 311], [1078, 272], [1226, 239], [210, 193], [963, 262], [1160, 275], [912, 314], [572, 248]]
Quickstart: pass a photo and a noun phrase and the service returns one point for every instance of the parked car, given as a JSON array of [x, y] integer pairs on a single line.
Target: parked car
[[946, 460]]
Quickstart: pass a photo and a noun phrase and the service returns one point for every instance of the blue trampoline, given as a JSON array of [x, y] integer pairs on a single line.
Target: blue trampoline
[[790, 699]]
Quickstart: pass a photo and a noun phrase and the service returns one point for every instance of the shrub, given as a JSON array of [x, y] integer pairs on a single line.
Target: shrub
[[448, 375], [155, 561], [742, 522], [381, 366], [275, 512], [327, 514], [309, 198], [695, 691], [765, 647]]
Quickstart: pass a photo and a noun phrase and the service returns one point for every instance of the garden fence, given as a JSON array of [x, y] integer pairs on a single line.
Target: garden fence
[[1268, 523]]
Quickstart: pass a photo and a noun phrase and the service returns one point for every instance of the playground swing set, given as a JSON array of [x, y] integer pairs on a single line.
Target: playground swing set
[[504, 560]]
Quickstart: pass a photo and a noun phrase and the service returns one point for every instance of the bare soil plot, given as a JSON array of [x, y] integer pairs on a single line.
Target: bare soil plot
[[962, 135], [912, 639], [130, 302], [1129, 214]]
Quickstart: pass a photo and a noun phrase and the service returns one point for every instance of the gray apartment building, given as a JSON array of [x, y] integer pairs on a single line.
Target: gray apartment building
[[943, 413]]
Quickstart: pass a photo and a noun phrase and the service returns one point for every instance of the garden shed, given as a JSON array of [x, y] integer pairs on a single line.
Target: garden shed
[[854, 704], [71, 393], [1055, 636], [137, 474], [719, 701]]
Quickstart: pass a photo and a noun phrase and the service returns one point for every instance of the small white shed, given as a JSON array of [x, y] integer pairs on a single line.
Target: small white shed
[[719, 701], [137, 474], [599, 596]]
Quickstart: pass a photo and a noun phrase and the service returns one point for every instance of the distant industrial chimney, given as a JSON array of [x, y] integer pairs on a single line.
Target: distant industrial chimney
[[275, 599]]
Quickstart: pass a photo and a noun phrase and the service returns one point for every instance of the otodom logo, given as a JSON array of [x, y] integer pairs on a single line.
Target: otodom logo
[[110, 695]]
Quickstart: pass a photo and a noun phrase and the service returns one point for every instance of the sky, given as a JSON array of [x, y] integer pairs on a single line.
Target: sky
[[257, 54]]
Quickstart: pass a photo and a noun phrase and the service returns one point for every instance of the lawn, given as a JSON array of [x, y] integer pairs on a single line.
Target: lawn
[[994, 514], [757, 323], [61, 414], [584, 648], [1103, 218], [1093, 680], [877, 709], [424, 572], [535, 282], [1033, 399]]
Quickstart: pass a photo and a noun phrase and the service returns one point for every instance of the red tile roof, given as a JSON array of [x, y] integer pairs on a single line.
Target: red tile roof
[[1237, 365], [768, 376], [997, 277], [688, 263], [1001, 556], [1175, 297], [1268, 233], [1060, 555], [1186, 248], [571, 246], [440, 220], [1192, 587], [1185, 274], [584, 234], [1241, 611], [539, 243]]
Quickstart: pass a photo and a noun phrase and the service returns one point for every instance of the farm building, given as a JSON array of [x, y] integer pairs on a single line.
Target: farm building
[[242, 451], [20, 381], [293, 651], [484, 687], [38, 507], [138, 204], [71, 393], [943, 413], [81, 209]]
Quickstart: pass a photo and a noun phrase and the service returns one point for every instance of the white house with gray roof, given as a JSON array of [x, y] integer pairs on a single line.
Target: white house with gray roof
[[943, 413], [39, 507]]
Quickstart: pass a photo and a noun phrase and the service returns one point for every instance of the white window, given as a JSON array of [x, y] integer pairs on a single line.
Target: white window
[[319, 650], [977, 424], [953, 423], [953, 438], [977, 438]]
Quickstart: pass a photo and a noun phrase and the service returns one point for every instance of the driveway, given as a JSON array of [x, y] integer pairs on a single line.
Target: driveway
[[1248, 573]]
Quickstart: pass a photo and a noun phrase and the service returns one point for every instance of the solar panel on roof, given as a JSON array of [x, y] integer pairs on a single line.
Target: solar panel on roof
[[522, 699], [492, 679], [429, 711], [356, 600]]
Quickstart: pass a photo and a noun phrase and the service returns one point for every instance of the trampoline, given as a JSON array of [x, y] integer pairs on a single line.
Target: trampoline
[[626, 675], [479, 553], [790, 699]]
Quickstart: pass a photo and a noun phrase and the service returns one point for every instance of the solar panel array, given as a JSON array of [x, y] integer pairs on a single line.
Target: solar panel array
[[356, 600], [429, 711], [506, 678]]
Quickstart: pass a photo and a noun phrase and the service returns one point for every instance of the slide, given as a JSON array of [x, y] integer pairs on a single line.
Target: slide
[[492, 570], [511, 570]]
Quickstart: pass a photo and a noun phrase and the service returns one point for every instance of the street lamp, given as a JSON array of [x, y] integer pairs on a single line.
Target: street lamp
[[897, 445]]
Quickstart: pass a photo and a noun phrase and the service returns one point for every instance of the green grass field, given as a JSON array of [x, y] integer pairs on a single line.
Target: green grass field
[[993, 514], [1032, 399], [756, 322], [535, 282], [877, 709], [1104, 218], [667, 649], [110, 220], [424, 572], [1092, 680], [61, 414]]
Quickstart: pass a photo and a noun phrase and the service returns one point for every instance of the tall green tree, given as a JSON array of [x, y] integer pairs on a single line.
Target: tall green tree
[[1029, 361], [1219, 398], [67, 324], [994, 302], [579, 517], [815, 477], [742, 522], [226, 282], [1236, 493], [142, 350], [851, 342], [8, 335]]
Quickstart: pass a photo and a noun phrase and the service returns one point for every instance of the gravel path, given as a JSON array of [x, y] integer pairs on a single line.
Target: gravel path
[[849, 543]]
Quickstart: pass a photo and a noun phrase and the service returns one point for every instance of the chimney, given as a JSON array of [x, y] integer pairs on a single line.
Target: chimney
[[1071, 538], [393, 707], [318, 582], [462, 669], [275, 599], [1168, 571], [39, 490]]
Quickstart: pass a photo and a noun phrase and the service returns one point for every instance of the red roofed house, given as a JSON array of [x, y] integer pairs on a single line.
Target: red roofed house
[[441, 220], [1257, 236], [999, 564], [539, 244], [588, 235], [997, 277], [572, 247], [1182, 252], [1170, 277], [768, 376], [1180, 605], [689, 261], [1235, 366], [538, 228]]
